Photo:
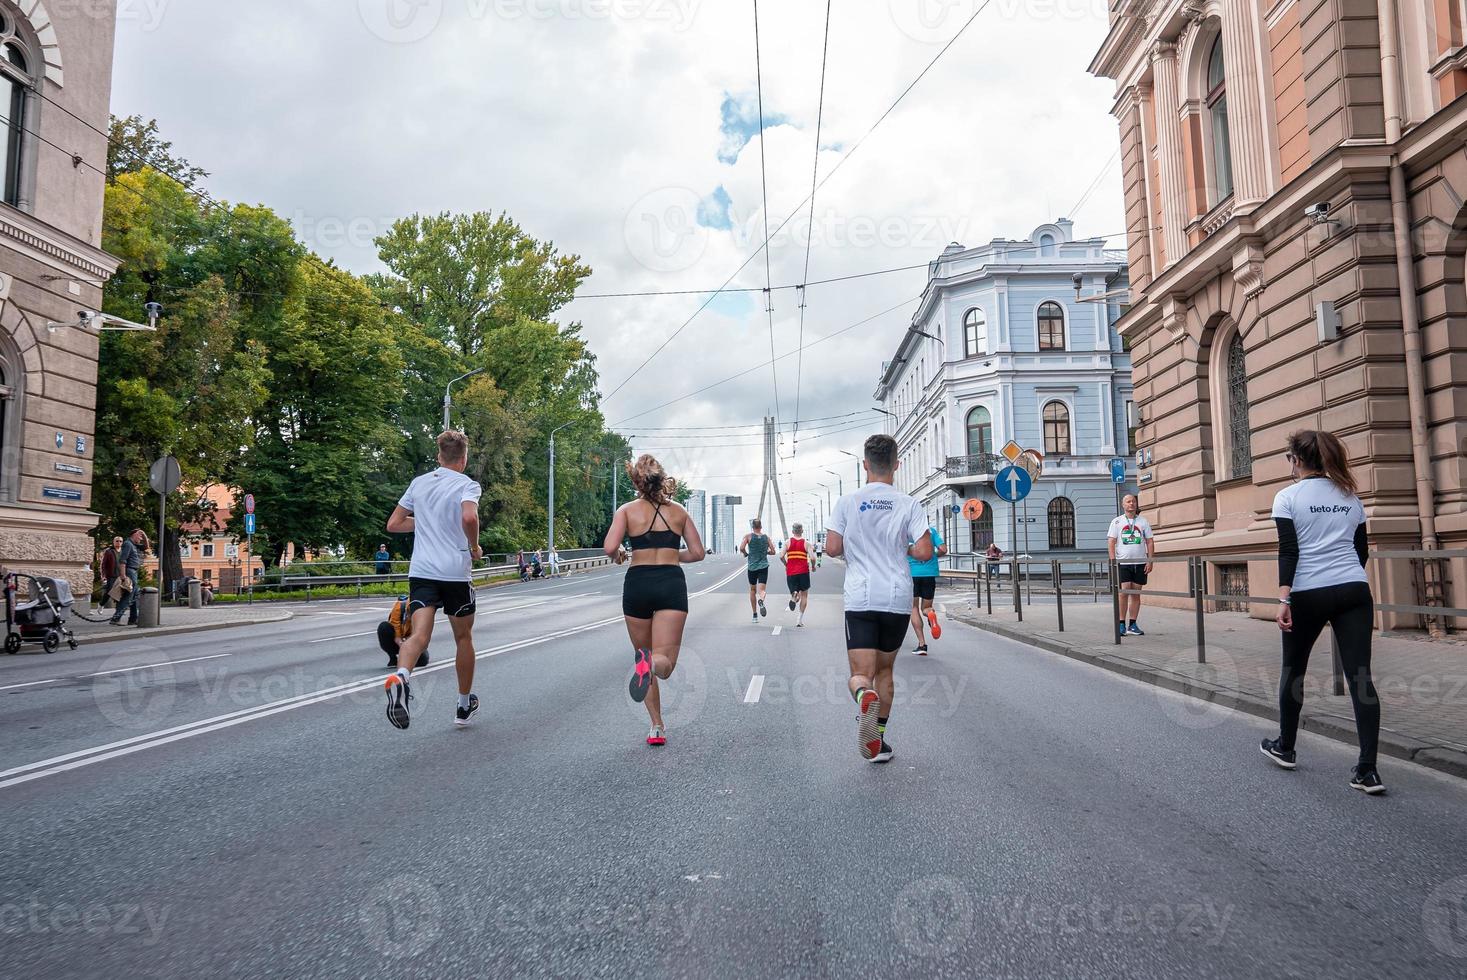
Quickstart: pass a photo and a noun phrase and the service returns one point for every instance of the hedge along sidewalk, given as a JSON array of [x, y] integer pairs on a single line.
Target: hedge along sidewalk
[[176, 619], [1422, 683]]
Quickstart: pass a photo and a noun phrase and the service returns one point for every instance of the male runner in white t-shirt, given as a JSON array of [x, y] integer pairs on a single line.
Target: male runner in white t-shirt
[[871, 529], [441, 510]]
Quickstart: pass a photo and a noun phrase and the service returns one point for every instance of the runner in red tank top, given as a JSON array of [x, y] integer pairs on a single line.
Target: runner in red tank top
[[796, 558]]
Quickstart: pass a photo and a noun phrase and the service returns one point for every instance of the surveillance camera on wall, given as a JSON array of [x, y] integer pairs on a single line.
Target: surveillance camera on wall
[[1318, 213]]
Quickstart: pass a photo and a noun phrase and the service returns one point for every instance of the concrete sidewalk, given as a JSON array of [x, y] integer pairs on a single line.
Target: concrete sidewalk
[[176, 619], [1422, 683]]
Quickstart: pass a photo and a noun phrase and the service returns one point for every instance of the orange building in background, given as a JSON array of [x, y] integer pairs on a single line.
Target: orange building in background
[[212, 554]]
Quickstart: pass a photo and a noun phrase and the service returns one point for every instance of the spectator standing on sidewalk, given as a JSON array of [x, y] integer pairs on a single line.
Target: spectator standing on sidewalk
[[1132, 548], [129, 567], [108, 565], [384, 560], [1322, 581]]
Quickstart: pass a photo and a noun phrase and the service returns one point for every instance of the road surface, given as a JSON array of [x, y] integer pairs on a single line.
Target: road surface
[[246, 810]]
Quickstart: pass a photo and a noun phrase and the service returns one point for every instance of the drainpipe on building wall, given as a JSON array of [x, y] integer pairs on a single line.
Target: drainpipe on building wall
[[1410, 317]]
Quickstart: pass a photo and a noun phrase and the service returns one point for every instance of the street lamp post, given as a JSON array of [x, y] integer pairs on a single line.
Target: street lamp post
[[840, 485], [858, 465], [827, 495], [550, 493], [884, 412], [448, 392]]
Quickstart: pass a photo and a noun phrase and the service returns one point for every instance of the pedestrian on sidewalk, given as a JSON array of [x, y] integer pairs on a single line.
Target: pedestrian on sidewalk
[[924, 590], [129, 573], [1322, 582], [654, 599], [874, 529], [108, 565], [441, 511], [1132, 548], [384, 560]]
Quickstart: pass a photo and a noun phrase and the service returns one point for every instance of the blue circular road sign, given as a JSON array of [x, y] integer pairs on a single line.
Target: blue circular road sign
[[1013, 483]]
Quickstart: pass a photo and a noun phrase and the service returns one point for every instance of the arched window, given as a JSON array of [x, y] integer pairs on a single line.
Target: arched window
[[1240, 433], [975, 333], [16, 83], [1056, 429], [1217, 113], [1061, 523], [1051, 326], [980, 432], [981, 530], [10, 378], [1046, 244]]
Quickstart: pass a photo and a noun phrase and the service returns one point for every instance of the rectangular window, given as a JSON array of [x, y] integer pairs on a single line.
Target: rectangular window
[[208, 549], [1131, 425]]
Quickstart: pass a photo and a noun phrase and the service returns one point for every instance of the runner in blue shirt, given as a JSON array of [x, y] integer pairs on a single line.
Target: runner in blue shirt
[[924, 587]]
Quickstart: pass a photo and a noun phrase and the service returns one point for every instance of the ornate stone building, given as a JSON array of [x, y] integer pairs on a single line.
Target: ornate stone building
[[55, 92], [1294, 175]]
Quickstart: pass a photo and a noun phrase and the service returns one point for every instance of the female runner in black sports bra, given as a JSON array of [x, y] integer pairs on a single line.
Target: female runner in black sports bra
[[654, 596]]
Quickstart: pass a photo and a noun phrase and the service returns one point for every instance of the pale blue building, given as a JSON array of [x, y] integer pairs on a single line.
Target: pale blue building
[[1016, 340]]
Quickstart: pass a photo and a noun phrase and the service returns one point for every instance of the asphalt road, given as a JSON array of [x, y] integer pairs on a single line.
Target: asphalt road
[[253, 814]]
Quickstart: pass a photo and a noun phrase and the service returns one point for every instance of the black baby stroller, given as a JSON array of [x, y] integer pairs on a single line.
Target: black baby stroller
[[41, 618]]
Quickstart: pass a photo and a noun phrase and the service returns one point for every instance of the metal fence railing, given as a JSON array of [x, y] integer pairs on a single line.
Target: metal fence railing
[[1429, 574]]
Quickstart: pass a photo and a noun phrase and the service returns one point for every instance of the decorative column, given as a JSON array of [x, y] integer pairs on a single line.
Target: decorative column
[[1146, 109], [1169, 150], [1245, 101]]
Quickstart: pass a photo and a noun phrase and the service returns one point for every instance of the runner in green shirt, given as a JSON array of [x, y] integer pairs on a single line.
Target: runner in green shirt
[[756, 546]]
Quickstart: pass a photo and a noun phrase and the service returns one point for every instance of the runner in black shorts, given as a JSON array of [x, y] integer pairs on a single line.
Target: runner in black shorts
[[441, 511], [757, 547], [654, 598], [871, 529]]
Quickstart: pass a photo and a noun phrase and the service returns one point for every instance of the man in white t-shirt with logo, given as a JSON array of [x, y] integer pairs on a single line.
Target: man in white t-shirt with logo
[[1131, 548], [871, 529], [441, 510]]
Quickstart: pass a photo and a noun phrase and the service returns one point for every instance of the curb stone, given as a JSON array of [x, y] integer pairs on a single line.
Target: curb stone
[[132, 633], [1341, 729]]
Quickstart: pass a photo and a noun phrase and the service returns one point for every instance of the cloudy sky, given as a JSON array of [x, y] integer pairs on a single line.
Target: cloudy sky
[[627, 131]]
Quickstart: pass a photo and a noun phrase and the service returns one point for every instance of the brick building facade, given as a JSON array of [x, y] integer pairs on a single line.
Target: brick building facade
[[1238, 119]]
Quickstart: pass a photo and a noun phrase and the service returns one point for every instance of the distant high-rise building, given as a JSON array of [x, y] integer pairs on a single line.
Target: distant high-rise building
[[697, 506], [721, 522]]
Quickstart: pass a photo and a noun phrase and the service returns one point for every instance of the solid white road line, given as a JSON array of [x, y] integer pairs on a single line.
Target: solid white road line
[[756, 687], [11, 687], [162, 663], [345, 636], [137, 743]]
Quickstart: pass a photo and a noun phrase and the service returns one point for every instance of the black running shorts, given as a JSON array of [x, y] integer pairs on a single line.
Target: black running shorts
[[648, 589], [759, 576], [882, 631], [456, 599], [1132, 574], [924, 587], [799, 582]]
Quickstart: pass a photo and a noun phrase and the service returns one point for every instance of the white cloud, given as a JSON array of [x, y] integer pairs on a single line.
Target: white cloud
[[573, 115]]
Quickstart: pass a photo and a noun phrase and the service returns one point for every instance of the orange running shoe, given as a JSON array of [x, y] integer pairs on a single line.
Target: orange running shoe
[[867, 734], [932, 624]]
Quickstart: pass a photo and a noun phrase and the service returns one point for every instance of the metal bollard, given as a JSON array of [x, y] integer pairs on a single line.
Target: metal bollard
[[1059, 601], [1198, 575], [988, 576], [1018, 605], [1115, 601], [1094, 588]]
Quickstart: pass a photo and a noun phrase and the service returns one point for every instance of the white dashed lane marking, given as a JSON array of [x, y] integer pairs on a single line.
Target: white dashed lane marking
[[756, 687]]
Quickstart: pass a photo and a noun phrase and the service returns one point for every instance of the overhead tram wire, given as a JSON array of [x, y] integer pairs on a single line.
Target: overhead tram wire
[[833, 171], [635, 294], [764, 188], [756, 367], [810, 229], [1094, 184]]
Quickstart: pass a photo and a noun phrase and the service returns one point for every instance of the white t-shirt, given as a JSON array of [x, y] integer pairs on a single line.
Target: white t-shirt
[[876, 524], [1130, 535], [440, 550], [1325, 519]]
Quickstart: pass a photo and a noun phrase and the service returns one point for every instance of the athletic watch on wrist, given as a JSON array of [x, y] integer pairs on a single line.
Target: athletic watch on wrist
[[1287, 600]]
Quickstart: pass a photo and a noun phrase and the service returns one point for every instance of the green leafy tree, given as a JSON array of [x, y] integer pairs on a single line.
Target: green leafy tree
[[133, 144]]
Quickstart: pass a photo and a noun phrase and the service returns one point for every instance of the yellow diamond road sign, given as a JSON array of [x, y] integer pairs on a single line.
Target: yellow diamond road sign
[[1012, 451]]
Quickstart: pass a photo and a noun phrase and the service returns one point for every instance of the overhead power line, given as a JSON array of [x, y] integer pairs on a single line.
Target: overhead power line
[[810, 227], [764, 189]]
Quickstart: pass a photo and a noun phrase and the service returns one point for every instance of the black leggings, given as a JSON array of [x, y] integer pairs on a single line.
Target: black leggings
[[1350, 611]]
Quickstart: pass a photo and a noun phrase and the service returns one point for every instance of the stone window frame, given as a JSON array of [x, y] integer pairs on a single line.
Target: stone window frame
[[1197, 96], [1060, 515], [968, 428], [18, 30], [1219, 385], [12, 393], [1069, 432]]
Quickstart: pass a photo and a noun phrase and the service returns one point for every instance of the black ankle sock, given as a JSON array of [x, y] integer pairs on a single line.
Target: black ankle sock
[[1133, 622]]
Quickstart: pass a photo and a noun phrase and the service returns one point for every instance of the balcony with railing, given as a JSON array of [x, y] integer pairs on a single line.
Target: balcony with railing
[[981, 464]]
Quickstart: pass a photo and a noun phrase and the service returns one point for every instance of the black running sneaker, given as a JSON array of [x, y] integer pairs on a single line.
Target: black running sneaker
[[641, 681], [762, 610], [883, 754], [793, 604], [461, 716], [398, 696], [1280, 758], [1367, 781]]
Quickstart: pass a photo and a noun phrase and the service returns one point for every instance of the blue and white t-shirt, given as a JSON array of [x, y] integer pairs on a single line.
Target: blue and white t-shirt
[[876, 524], [1325, 519]]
